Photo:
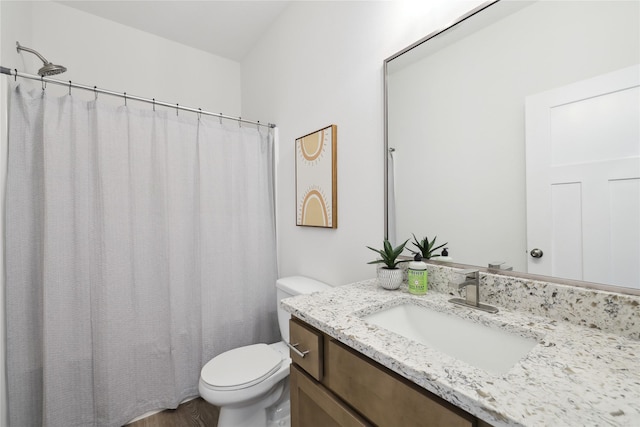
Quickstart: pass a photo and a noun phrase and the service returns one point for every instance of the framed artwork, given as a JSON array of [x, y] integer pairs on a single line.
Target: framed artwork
[[316, 179]]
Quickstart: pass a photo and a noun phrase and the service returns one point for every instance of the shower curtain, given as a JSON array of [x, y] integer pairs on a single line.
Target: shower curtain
[[139, 244]]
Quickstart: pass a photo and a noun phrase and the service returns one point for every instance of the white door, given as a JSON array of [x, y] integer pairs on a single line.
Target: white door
[[583, 180]]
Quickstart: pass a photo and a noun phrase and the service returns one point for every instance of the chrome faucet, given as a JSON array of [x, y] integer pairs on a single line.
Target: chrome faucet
[[471, 285], [499, 265]]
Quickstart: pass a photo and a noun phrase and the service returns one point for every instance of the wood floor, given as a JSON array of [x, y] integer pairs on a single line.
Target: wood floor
[[194, 413]]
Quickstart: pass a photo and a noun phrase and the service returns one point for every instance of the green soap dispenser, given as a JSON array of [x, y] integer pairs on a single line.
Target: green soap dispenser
[[417, 276]]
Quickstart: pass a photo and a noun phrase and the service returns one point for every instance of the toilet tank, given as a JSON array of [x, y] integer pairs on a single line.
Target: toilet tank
[[290, 286]]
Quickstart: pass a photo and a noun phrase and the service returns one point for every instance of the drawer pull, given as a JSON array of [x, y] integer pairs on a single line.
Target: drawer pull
[[296, 351]]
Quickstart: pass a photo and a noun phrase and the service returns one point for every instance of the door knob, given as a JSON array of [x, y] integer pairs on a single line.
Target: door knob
[[536, 253]]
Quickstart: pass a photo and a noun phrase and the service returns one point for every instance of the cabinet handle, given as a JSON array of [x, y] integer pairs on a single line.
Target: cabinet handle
[[296, 351]]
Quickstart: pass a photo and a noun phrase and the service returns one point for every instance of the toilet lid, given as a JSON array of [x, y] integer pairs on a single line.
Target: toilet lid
[[241, 367]]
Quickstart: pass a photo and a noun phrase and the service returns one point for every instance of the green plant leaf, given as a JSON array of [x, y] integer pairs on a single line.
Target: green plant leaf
[[388, 254], [426, 247], [387, 247], [438, 247], [376, 250]]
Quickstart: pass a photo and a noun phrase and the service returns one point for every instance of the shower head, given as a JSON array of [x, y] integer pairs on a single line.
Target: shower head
[[48, 69]]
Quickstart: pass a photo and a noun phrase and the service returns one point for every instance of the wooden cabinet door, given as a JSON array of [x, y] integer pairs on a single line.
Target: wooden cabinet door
[[384, 397], [314, 406]]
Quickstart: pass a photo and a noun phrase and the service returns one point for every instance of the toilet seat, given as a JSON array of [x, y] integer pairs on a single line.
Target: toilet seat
[[241, 367]]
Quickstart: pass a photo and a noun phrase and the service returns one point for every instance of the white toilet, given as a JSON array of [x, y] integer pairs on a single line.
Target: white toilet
[[246, 381]]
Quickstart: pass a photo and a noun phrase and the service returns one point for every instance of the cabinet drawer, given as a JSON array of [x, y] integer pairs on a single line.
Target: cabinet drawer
[[308, 341], [383, 397]]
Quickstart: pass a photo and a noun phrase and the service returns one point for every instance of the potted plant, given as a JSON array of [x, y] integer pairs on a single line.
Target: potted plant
[[425, 247], [389, 275]]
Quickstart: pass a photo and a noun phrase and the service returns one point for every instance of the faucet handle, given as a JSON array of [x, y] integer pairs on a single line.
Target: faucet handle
[[500, 265], [471, 273]]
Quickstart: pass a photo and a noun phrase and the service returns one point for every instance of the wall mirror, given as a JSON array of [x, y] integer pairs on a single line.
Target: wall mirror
[[515, 132]]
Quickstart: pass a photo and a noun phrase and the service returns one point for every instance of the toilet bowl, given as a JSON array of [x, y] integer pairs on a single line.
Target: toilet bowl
[[244, 382], [250, 383]]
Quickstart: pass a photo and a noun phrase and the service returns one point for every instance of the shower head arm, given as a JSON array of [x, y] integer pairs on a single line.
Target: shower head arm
[[42, 58]]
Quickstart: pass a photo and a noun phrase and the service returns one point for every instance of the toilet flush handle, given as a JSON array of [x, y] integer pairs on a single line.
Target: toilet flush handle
[[296, 351]]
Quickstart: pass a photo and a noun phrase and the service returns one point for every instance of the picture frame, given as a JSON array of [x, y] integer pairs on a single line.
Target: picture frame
[[316, 178]]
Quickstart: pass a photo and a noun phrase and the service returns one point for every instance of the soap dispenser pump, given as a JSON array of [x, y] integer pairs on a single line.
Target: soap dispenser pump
[[444, 256]]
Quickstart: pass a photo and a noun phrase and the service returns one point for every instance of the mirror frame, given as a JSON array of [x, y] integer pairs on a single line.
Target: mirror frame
[[522, 275]]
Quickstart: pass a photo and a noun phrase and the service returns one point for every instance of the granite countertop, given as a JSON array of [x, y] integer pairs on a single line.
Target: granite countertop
[[574, 376]]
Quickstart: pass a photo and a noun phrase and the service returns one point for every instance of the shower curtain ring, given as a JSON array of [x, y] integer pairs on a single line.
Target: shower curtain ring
[[154, 104], [125, 99], [15, 76], [44, 84], [177, 109], [220, 118], [258, 126], [69, 87], [239, 122], [95, 92], [199, 113]]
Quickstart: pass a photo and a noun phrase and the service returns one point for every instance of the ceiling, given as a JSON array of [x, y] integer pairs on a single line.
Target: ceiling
[[225, 28]]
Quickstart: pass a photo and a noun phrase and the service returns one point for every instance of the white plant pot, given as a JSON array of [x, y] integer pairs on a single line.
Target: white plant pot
[[389, 278]]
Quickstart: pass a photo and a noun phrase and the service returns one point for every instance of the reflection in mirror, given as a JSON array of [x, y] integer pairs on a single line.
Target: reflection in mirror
[[516, 132]]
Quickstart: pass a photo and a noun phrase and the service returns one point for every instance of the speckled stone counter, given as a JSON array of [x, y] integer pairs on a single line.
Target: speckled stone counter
[[574, 376], [596, 309]]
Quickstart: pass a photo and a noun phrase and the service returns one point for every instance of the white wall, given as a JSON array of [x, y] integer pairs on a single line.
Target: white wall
[[321, 64], [347, 43], [111, 56]]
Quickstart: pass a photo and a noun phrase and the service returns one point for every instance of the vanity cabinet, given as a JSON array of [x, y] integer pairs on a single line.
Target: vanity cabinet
[[333, 385], [312, 405]]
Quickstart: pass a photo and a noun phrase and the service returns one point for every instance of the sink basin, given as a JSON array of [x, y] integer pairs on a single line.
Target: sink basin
[[484, 347]]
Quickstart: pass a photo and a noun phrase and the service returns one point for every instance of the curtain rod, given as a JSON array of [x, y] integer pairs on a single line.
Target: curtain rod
[[15, 73]]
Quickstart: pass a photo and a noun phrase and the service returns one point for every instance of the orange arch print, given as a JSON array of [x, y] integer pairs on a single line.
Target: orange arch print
[[311, 146], [314, 210]]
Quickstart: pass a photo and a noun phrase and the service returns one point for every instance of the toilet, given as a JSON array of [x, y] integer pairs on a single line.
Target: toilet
[[250, 384]]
